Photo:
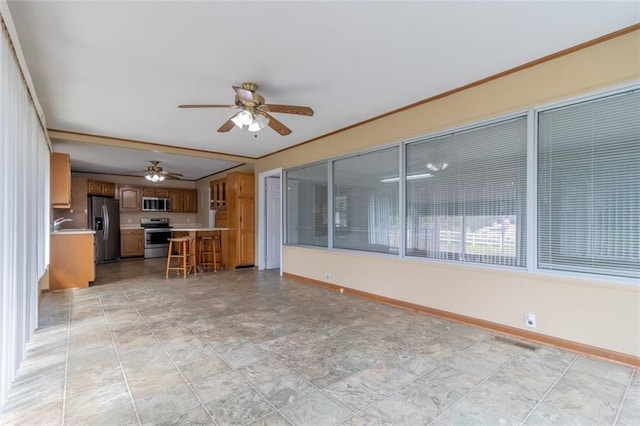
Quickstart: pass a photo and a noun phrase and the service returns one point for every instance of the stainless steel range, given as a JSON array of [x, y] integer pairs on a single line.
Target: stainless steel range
[[156, 233]]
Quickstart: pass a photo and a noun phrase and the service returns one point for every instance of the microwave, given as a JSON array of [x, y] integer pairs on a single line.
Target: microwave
[[155, 204]]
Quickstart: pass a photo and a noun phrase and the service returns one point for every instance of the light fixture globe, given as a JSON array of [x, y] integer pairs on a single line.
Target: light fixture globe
[[259, 123]]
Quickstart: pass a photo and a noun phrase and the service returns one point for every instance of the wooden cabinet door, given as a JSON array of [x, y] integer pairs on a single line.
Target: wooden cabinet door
[[148, 192], [190, 200], [219, 194], [94, 187], [177, 200], [129, 199], [108, 189], [60, 189], [162, 193], [245, 242], [131, 244], [245, 185]]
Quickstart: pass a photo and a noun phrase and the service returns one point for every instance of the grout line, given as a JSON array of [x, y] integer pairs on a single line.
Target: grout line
[[170, 357], [66, 358], [555, 382], [124, 374], [626, 392], [496, 371]]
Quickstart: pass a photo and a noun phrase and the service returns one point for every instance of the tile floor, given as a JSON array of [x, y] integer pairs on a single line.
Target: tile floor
[[249, 347]]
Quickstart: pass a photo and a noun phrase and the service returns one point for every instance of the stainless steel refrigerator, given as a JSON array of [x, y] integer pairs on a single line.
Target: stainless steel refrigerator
[[104, 218]]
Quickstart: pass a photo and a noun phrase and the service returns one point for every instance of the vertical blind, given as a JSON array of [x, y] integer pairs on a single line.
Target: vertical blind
[[307, 206], [589, 187], [24, 216], [466, 195], [366, 201]]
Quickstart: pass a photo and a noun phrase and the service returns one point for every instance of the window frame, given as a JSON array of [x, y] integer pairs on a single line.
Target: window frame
[[531, 115], [533, 188]]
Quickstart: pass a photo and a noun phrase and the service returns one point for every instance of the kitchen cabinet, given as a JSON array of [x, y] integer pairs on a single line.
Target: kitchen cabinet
[[240, 220], [190, 201], [184, 200], [155, 192], [131, 243], [105, 189], [60, 190], [218, 194], [130, 199], [176, 196], [72, 259]]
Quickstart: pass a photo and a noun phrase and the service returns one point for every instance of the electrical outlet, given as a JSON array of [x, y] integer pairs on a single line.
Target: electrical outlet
[[188, 220], [327, 276], [530, 320]]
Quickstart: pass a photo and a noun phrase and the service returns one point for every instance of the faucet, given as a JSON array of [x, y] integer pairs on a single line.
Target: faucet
[[59, 221]]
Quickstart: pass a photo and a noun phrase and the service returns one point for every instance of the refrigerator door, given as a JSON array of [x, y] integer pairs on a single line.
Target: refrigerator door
[[112, 229], [96, 222]]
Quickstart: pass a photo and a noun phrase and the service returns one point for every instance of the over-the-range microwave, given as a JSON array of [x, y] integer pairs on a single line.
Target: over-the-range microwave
[[155, 204]]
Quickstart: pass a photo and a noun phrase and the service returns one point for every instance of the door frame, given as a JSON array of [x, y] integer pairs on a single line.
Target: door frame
[[262, 215]]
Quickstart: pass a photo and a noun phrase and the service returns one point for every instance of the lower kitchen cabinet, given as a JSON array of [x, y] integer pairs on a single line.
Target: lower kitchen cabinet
[[72, 261], [131, 243]]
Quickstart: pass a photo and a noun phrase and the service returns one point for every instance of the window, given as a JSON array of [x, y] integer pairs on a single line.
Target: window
[[365, 201], [466, 195], [307, 219], [588, 187]]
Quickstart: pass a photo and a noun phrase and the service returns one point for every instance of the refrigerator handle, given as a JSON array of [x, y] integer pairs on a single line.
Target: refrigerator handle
[[105, 214]]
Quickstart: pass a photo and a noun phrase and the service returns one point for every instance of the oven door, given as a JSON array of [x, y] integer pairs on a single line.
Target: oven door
[[155, 242]]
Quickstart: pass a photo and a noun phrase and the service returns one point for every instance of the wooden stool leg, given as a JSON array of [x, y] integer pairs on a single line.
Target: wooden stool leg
[[166, 275]]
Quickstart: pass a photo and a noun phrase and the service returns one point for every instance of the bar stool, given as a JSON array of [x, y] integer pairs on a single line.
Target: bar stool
[[206, 253], [181, 249], [210, 252]]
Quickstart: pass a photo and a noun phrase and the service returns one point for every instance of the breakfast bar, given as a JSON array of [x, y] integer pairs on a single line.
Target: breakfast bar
[[198, 233]]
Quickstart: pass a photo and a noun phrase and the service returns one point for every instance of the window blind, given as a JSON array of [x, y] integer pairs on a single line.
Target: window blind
[[466, 195], [365, 201], [307, 220], [589, 187]]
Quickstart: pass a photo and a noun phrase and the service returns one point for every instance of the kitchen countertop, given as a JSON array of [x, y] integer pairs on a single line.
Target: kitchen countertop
[[73, 232], [199, 229]]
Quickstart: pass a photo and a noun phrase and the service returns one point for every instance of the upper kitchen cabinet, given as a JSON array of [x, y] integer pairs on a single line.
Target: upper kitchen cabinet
[[190, 201], [106, 189], [148, 191], [130, 199], [184, 200], [218, 194], [60, 181]]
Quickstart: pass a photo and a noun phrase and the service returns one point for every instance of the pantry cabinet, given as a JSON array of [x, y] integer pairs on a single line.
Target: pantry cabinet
[[240, 220]]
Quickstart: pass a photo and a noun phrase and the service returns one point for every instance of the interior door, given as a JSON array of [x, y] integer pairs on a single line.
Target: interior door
[[273, 222]]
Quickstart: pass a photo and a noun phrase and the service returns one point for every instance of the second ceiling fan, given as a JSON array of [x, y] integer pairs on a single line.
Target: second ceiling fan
[[254, 112]]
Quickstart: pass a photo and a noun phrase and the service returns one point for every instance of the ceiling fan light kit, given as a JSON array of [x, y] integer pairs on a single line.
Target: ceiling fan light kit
[[155, 178], [156, 174], [254, 112]]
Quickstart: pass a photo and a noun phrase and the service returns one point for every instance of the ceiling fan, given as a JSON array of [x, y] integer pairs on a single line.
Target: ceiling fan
[[155, 173], [254, 113]]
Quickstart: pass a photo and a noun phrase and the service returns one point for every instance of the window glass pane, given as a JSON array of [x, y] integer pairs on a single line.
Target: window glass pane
[[365, 203], [589, 187], [466, 195], [306, 215]]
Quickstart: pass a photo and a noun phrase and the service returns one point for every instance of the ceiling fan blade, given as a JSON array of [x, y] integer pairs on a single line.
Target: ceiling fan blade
[[172, 175], [228, 125], [244, 94], [290, 109], [276, 125], [207, 106]]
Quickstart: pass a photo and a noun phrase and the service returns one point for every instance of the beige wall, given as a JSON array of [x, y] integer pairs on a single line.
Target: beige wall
[[593, 312]]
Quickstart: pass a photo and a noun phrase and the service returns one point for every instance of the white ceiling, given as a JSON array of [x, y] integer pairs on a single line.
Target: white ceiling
[[119, 69]]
